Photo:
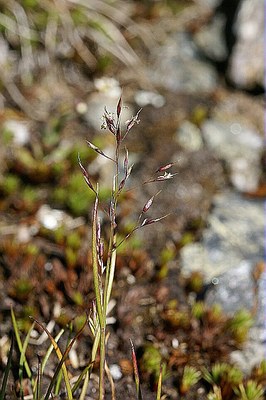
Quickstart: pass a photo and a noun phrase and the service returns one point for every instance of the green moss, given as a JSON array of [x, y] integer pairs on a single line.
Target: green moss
[[30, 197], [59, 235], [167, 254], [198, 309], [151, 360], [85, 153], [59, 196], [240, 324], [73, 240], [80, 203], [10, 184], [71, 257], [250, 391], [190, 377], [77, 298], [22, 288], [162, 272], [195, 282], [32, 249], [104, 61], [79, 322], [7, 135], [187, 238], [24, 157], [199, 114]]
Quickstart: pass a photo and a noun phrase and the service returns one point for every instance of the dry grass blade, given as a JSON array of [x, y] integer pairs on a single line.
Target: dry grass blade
[[73, 34], [50, 349], [159, 388], [111, 381]]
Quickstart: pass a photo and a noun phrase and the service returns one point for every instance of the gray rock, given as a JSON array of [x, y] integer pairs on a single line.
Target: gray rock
[[189, 136], [20, 131], [234, 235], [240, 146], [231, 246], [115, 371], [247, 63], [179, 68], [144, 98], [209, 3], [235, 290], [237, 285], [250, 356], [210, 39]]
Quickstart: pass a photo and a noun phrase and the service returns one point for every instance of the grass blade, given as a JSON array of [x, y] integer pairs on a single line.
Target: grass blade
[[19, 343], [50, 349], [84, 387], [159, 388], [136, 371], [87, 370], [37, 391], [111, 381], [7, 369], [58, 383], [22, 359], [60, 357]]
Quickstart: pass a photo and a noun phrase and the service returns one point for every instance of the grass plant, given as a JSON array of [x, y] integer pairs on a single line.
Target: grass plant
[[103, 275]]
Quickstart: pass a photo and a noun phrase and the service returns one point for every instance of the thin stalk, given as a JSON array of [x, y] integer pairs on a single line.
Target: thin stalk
[[97, 289], [102, 361], [95, 265], [109, 277], [110, 268]]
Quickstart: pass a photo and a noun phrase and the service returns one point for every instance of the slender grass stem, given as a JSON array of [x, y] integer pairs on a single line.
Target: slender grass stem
[[95, 265], [102, 363]]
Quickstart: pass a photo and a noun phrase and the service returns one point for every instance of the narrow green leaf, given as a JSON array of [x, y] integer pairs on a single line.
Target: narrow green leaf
[[84, 387], [19, 343], [58, 383], [37, 391], [50, 349], [22, 359], [87, 370]]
